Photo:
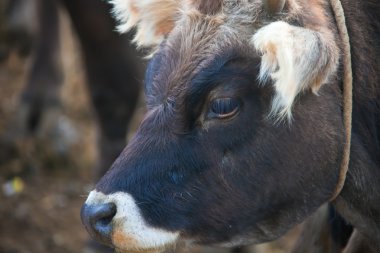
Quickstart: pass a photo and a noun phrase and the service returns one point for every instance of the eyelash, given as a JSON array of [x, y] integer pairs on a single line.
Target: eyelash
[[224, 107]]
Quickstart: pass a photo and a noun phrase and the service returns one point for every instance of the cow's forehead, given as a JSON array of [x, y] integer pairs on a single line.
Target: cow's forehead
[[194, 43]]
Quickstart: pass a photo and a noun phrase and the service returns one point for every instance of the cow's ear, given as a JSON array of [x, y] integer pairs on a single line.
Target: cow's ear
[[153, 19], [295, 59]]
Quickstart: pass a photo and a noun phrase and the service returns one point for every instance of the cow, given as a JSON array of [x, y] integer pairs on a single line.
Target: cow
[[244, 136]]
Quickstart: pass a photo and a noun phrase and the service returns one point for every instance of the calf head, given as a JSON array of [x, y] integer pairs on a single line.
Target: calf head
[[236, 147]]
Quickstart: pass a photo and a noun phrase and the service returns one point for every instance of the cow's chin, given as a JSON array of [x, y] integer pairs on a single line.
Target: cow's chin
[[151, 250], [125, 243], [138, 250]]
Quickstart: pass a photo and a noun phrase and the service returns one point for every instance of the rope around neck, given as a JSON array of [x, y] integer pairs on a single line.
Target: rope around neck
[[347, 92]]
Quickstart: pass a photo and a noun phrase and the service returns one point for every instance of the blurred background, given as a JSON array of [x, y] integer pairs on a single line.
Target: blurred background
[[69, 99]]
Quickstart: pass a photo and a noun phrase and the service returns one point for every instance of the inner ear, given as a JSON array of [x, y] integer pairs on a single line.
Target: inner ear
[[208, 7]]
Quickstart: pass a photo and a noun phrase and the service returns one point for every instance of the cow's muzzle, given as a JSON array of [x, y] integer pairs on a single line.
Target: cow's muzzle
[[115, 219], [97, 219]]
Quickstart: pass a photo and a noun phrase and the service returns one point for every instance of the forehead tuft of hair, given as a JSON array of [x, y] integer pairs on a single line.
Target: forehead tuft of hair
[[188, 50], [153, 19]]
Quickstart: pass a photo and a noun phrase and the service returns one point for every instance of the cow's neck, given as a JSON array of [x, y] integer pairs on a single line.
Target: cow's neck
[[364, 32], [359, 201]]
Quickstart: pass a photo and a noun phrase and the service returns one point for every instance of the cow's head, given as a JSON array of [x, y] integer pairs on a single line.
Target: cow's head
[[236, 147]]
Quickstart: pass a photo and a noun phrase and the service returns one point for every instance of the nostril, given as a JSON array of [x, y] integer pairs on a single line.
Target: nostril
[[98, 220], [103, 213]]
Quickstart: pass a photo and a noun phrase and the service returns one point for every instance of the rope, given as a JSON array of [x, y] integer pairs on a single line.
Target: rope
[[347, 92]]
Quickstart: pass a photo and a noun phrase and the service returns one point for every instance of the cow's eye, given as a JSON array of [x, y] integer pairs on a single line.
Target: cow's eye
[[224, 107]]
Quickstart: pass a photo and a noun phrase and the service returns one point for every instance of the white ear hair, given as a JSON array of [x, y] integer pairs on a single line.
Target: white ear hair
[[296, 59], [153, 19]]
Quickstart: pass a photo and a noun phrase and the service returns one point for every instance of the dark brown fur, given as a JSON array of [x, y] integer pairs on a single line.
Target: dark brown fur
[[210, 7]]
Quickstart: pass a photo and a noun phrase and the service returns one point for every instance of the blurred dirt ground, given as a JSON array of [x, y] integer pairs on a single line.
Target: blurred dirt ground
[[43, 185], [50, 182]]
